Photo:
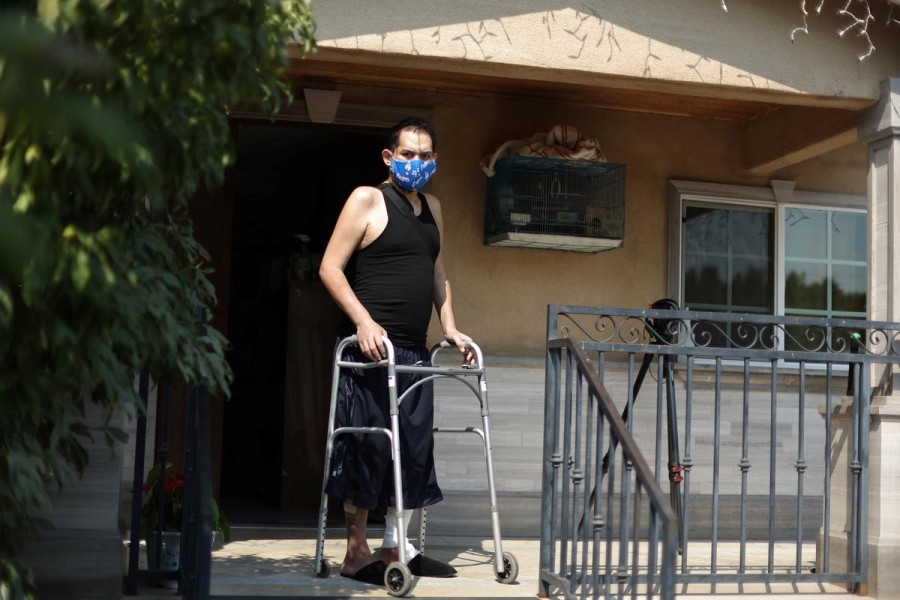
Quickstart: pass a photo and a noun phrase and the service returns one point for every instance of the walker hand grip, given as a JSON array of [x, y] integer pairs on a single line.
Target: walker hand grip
[[449, 344], [478, 361], [353, 340]]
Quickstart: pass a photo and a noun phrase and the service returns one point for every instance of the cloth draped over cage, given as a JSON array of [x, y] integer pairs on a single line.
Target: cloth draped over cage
[[562, 141]]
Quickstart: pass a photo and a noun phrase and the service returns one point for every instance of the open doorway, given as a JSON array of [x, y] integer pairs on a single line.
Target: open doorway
[[290, 180]]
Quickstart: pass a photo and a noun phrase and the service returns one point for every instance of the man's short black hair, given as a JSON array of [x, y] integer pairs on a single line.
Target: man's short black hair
[[414, 123]]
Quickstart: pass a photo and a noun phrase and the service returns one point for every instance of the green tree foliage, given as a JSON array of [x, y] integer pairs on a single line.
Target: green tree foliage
[[112, 115]]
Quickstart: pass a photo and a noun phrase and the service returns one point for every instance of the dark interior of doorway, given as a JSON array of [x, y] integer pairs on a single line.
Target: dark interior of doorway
[[289, 179]]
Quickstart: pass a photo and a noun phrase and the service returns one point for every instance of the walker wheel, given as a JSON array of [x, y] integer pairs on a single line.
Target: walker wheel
[[510, 569], [324, 570], [397, 579]]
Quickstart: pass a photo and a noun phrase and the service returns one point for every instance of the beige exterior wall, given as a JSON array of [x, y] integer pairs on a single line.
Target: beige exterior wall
[[842, 171], [748, 48], [501, 294], [691, 47]]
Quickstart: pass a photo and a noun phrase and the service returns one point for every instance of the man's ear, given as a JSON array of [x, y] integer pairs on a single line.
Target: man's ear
[[387, 156]]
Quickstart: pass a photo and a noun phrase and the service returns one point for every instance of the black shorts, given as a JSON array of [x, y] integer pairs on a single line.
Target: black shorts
[[361, 468]]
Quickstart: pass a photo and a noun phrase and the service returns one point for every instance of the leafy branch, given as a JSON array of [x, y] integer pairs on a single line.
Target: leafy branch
[[112, 116]]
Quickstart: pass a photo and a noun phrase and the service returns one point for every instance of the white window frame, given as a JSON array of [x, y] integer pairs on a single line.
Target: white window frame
[[780, 244], [749, 196], [778, 197]]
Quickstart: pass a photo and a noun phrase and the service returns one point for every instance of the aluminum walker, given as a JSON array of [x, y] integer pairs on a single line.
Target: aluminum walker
[[397, 578]]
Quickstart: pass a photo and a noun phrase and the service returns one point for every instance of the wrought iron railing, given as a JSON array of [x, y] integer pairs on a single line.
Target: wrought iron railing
[[195, 553], [760, 418], [606, 525]]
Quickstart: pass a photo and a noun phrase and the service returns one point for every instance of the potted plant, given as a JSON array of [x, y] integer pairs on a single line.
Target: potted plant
[[172, 507]]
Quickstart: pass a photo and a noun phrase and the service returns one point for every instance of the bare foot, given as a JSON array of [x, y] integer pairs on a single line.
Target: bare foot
[[354, 563]]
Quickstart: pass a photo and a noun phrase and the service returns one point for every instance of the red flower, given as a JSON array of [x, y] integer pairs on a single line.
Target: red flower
[[174, 483], [168, 515], [171, 488]]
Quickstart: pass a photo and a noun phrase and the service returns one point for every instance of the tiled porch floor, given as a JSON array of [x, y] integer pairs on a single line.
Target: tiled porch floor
[[272, 561], [278, 563]]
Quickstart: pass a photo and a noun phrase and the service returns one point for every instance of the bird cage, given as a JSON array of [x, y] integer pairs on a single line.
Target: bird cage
[[555, 204]]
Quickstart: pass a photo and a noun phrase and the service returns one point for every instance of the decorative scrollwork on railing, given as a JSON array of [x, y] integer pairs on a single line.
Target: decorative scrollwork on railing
[[703, 334], [879, 342], [811, 339], [605, 326], [635, 330], [747, 336], [681, 328], [610, 328]]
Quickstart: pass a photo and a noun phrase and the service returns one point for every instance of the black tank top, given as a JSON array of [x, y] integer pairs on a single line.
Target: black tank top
[[393, 277]]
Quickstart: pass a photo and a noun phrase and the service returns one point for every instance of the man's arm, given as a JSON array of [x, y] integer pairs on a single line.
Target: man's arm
[[352, 225], [443, 297]]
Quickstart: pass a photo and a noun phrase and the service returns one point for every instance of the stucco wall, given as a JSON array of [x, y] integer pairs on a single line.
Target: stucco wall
[[842, 170], [501, 294], [693, 41]]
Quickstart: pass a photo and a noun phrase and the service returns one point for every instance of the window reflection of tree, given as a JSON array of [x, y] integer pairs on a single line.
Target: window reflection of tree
[[794, 216], [814, 295], [804, 294], [723, 276]]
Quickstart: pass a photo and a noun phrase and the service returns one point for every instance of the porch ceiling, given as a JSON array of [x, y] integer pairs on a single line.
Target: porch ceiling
[[782, 128], [585, 94]]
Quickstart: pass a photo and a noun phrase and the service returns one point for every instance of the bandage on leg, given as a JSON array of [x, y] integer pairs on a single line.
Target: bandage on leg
[[392, 537], [419, 564]]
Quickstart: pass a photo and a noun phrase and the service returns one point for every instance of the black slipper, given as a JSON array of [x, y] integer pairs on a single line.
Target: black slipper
[[372, 573], [423, 566]]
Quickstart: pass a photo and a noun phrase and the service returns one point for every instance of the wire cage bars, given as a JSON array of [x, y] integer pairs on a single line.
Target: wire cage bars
[[555, 204]]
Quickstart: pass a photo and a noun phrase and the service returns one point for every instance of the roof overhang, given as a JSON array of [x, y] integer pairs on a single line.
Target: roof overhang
[[782, 128]]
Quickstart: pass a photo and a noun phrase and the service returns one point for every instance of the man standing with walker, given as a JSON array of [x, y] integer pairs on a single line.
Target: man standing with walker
[[384, 267]]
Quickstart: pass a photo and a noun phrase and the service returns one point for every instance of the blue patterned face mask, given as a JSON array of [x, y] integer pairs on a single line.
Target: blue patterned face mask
[[412, 174]]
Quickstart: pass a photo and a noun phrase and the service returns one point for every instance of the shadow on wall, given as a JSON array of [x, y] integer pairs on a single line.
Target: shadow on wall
[[638, 36]]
